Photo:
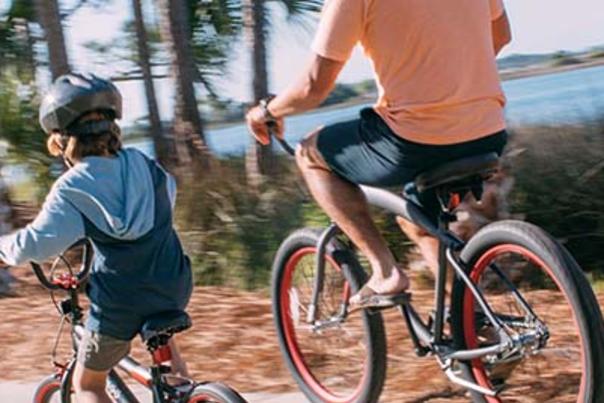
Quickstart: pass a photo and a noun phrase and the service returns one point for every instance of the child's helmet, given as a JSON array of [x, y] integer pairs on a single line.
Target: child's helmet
[[73, 95]]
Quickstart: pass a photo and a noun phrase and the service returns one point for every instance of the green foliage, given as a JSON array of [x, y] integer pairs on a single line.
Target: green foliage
[[559, 173], [299, 7], [16, 48], [562, 58], [22, 9], [215, 25], [232, 232], [340, 93], [19, 129], [365, 87], [346, 92], [596, 54]]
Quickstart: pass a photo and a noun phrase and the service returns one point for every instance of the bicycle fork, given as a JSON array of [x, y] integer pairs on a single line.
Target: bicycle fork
[[331, 231]]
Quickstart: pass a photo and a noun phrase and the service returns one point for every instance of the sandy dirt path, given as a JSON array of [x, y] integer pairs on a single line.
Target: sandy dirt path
[[232, 340]]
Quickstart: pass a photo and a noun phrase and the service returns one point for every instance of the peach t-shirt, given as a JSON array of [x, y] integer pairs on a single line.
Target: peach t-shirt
[[434, 63]]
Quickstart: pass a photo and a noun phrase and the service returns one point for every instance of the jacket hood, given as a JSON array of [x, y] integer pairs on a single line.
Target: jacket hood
[[116, 194]]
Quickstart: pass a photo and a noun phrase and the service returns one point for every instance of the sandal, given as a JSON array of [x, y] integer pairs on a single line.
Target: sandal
[[368, 298]]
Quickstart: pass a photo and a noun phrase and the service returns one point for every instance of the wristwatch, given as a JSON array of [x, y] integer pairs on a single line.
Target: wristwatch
[[263, 104]]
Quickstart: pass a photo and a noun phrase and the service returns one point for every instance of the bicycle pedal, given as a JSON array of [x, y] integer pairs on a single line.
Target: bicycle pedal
[[402, 299], [392, 302]]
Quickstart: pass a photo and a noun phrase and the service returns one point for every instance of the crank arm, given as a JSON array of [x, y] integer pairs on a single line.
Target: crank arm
[[467, 355], [331, 322], [469, 385]]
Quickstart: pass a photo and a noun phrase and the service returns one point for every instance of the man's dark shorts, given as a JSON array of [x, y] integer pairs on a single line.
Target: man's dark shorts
[[365, 151]]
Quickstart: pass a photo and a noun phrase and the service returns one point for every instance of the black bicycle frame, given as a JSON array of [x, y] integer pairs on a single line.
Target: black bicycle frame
[[423, 337], [449, 244]]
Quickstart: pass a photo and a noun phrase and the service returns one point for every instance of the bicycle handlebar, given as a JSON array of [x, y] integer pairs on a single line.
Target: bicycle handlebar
[[78, 278], [286, 146], [282, 142]]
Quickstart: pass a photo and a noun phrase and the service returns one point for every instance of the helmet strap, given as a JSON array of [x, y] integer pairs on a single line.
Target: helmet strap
[[65, 159]]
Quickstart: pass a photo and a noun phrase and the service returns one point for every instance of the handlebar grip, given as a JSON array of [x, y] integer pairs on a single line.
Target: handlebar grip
[[42, 277], [80, 276]]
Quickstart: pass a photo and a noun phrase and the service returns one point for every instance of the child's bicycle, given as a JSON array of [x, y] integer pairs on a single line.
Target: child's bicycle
[[156, 332], [522, 323]]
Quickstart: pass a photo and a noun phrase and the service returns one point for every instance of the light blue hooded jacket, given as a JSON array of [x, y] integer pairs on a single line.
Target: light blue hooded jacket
[[123, 204]]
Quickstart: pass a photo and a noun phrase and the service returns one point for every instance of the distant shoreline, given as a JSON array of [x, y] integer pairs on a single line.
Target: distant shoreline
[[506, 75]]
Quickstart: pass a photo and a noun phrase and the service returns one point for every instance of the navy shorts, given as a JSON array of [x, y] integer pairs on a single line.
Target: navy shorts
[[366, 151]]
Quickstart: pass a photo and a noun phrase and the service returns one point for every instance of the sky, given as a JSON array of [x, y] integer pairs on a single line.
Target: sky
[[538, 26]]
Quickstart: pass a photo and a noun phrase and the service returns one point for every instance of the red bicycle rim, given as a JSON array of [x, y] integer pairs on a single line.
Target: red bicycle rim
[[468, 310], [41, 395], [201, 399], [290, 338]]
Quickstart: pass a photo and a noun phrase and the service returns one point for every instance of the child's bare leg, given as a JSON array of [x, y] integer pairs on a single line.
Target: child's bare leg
[[179, 365], [89, 385]]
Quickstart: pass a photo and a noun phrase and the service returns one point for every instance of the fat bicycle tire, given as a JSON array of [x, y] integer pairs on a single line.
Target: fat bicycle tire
[[571, 281], [215, 393], [370, 387], [47, 389]]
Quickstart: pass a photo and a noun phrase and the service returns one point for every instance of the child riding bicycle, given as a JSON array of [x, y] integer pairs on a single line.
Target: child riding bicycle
[[122, 201]]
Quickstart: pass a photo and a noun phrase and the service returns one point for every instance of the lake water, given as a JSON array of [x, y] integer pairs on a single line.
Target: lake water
[[568, 97]]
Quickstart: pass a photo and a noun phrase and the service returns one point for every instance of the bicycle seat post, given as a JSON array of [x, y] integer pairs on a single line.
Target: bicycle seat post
[[160, 350], [445, 217]]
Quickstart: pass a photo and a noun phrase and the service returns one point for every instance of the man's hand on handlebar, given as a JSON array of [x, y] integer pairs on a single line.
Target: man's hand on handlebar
[[258, 124]]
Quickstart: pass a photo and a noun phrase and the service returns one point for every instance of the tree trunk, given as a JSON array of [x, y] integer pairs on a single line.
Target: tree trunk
[[50, 20], [259, 158], [164, 147], [175, 32]]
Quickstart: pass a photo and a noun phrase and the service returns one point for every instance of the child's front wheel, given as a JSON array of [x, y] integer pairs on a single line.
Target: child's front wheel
[[215, 393], [48, 391]]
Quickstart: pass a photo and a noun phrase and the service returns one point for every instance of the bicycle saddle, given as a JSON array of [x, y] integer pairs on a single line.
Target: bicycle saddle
[[457, 171], [165, 324]]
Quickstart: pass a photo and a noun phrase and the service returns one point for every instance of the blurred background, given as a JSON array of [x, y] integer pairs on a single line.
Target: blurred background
[[189, 69]]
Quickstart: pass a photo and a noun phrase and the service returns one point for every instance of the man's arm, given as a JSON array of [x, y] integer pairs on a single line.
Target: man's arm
[[310, 90], [340, 28], [502, 35]]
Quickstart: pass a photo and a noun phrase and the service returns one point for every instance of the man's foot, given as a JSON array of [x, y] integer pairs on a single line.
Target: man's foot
[[382, 293]]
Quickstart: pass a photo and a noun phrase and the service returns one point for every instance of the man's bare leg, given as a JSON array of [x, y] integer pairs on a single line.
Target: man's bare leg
[[346, 205]]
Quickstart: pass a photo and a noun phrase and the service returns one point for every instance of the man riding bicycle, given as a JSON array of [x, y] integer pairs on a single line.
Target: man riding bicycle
[[440, 99]]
